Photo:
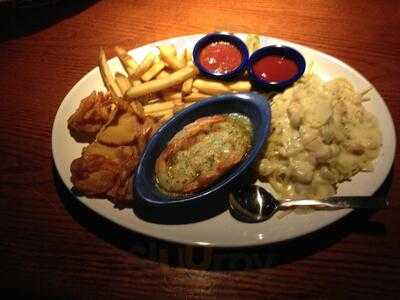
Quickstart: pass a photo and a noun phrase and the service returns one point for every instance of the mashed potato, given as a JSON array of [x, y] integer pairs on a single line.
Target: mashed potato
[[321, 136]]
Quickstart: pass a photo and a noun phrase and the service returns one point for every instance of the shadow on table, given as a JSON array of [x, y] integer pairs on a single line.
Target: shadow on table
[[21, 18], [218, 259]]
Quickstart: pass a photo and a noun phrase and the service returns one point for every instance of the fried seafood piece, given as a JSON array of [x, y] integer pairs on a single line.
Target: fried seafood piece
[[127, 124], [105, 171], [123, 126], [106, 166], [93, 112], [149, 127], [202, 152]]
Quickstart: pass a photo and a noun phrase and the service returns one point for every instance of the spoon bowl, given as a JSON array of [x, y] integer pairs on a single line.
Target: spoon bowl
[[252, 204]]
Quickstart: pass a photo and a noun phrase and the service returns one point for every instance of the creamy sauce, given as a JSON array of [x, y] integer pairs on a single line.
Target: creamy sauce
[[321, 135], [202, 152]]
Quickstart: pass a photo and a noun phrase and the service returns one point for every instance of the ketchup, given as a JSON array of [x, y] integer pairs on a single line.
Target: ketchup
[[220, 57], [275, 68]]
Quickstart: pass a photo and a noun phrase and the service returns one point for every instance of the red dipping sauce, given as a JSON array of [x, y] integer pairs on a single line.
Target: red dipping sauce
[[220, 57], [275, 68]]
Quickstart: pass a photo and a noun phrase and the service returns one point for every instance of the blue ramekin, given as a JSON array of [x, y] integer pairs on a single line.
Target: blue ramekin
[[275, 50], [252, 105], [221, 37]]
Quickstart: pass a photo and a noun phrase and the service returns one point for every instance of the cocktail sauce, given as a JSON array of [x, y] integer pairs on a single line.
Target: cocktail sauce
[[220, 57], [275, 68]]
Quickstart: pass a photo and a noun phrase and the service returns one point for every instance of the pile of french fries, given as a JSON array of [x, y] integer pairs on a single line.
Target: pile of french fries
[[166, 82]]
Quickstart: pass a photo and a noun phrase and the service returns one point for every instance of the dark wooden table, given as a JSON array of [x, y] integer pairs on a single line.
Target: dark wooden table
[[51, 246]]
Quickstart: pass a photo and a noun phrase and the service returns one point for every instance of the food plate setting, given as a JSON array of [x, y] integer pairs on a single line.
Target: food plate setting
[[285, 106]]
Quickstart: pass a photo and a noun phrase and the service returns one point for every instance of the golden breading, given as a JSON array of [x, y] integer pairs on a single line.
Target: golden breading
[[122, 129], [93, 112], [106, 166], [105, 170]]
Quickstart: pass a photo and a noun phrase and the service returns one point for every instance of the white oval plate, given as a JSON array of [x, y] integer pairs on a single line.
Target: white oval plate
[[223, 230]]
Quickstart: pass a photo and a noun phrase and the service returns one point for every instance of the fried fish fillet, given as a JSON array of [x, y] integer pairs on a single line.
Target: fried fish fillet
[[93, 112], [105, 170], [106, 166]]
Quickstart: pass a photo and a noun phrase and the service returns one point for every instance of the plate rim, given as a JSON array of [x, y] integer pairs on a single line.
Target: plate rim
[[146, 231]]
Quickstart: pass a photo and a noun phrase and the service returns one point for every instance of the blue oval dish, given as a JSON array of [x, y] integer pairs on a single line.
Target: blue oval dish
[[276, 50], [221, 37], [252, 105]]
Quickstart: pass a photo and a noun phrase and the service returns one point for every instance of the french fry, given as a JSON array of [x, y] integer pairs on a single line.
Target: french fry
[[155, 100], [252, 42], [187, 86], [136, 82], [182, 57], [166, 117], [168, 56], [210, 87], [182, 106], [240, 86], [153, 71], [168, 96], [144, 66], [171, 49], [157, 85], [145, 99], [195, 96], [162, 74], [178, 107], [189, 57], [123, 82], [161, 113], [107, 76], [160, 106], [129, 64]]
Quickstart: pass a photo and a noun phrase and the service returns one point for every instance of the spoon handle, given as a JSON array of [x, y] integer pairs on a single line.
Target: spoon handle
[[368, 202]]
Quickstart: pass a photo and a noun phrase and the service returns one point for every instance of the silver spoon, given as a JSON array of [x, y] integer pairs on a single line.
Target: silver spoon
[[252, 203]]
